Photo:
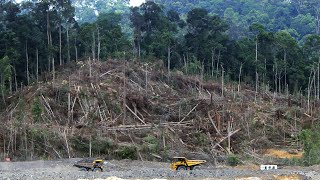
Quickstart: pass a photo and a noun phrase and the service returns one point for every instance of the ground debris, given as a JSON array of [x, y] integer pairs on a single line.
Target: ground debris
[[291, 177], [120, 102], [283, 154]]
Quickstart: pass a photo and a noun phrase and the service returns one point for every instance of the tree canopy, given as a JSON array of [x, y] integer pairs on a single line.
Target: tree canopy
[[275, 42]]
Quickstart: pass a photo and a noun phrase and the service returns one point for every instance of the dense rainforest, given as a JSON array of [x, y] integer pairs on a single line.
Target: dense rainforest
[[106, 60], [268, 44]]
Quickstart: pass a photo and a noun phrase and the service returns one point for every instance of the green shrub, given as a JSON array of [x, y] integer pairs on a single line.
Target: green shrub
[[291, 162], [202, 139], [150, 139], [20, 114], [116, 108], [100, 146], [310, 139], [194, 67], [151, 144], [36, 110], [127, 153], [233, 160]]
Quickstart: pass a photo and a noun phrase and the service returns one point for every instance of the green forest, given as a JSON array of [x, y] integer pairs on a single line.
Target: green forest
[[273, 45]]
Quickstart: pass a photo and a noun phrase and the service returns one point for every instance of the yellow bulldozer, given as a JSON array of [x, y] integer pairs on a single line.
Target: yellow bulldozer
[[182, 163]]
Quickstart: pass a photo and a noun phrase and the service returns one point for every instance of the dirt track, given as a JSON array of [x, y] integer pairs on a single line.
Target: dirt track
[[127, 169]]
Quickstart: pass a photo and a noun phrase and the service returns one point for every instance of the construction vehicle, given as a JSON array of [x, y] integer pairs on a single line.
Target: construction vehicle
[[95, 165], [182, 163]]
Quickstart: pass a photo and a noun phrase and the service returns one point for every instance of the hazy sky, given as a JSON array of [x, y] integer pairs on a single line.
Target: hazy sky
[[136, 2], [132, 2]]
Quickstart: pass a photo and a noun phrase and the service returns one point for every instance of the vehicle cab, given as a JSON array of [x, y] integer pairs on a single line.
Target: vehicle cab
[[178, 161]]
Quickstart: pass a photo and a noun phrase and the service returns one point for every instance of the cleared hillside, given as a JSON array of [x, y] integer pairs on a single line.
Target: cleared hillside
[[120, 109]]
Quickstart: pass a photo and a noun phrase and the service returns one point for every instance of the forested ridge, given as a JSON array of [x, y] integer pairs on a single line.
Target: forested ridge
[[273, 44], [263, 46]]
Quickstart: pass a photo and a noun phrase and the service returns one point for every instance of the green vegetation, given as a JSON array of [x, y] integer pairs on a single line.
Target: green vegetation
[[98, 145], [36, 110], [278, 42], [311, 145], [150, 144], [127, 153], [292, 162], [202, 139], [233, 160]]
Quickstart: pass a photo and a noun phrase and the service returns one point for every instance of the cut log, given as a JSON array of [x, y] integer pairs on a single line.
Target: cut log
[[135, 114], [215, 127], [189, 113], [229, 135]]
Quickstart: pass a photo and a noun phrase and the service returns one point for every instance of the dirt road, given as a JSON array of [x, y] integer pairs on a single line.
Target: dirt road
[[127, 169]]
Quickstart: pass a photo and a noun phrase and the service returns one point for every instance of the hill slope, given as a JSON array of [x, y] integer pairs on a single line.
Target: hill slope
[[118, 109]]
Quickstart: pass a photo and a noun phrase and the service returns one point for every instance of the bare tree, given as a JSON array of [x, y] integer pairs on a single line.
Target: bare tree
[[257, 76], [239, 77], [53, 71], [99, 43], [37, 70], [229, 137], [48, 38], [90, 146], [93, 48], [318, 77], [169, 58], [222, 81], [60, 44], [124, 93], [285, 72], [185, 64], [212, 61], [75, 48], [309, 90], [68, 43], [90, 68], [146, 87], [27, 59], [219, 53]]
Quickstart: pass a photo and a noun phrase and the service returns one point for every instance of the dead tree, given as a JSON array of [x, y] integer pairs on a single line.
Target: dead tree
[[37, 70], [169, 59], [239, 81], [212, 61], [99, 43], [93, 48], [257, 77], [27, 59], [222, 81]]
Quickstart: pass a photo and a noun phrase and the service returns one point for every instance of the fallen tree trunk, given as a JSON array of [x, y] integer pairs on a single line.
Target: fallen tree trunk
[[224, 138]]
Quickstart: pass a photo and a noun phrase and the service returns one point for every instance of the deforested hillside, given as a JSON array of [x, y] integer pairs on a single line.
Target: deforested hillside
[[122, 109]]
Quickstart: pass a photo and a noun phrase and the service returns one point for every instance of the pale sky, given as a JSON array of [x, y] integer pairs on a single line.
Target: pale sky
[[132, 2], [136, 2]]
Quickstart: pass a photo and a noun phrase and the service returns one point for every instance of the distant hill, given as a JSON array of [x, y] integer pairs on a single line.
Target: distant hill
[[302, 17]]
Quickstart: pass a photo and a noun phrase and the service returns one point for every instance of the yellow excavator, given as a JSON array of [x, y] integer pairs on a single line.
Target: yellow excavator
[[182, 163]]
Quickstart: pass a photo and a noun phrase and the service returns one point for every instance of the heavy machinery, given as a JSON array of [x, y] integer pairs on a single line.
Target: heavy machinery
[[95, 165], [182, 163]]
